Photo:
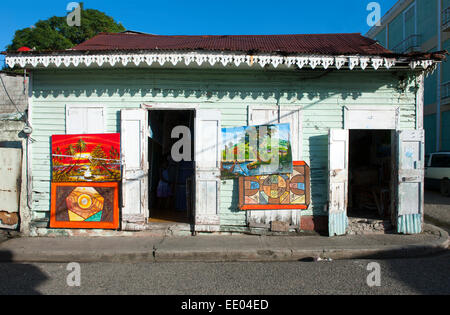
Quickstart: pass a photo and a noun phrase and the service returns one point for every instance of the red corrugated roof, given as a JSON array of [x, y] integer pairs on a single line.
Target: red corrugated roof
[[325, 44]]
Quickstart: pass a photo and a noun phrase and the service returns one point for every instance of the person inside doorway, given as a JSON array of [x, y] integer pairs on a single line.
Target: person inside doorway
[[164, 190]]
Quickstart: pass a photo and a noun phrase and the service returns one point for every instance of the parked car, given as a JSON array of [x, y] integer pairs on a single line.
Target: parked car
[[437, 172]]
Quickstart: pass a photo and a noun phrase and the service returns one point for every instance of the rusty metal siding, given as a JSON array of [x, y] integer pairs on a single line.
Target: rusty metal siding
[[334, 44]]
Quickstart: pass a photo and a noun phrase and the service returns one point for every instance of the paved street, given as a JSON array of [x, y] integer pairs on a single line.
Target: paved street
[[437, 209], [398, 276]]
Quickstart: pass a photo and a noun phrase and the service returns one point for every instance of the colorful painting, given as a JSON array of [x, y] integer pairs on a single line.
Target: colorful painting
[[256, 150], [86, 158], [276, 192], [85, 205]]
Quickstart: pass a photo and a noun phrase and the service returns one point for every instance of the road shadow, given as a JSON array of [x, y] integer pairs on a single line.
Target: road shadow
[[433, 197], [19, 279], [425, 272]]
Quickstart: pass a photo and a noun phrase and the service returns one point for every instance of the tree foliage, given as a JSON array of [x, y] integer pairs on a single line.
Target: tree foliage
[[55, 34]]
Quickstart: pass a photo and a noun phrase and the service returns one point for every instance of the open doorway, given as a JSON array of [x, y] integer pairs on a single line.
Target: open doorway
[[170, 182], [370, 171]]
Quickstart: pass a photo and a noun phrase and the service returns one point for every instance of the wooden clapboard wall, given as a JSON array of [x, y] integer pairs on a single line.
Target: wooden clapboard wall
[[233, 92]]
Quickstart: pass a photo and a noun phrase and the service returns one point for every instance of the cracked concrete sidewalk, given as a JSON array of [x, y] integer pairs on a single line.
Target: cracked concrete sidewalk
[[216, 248]]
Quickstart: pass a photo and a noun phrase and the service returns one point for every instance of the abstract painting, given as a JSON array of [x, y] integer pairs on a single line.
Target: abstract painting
[[256, 150], [86, 158], [85, 205], [276, 192]]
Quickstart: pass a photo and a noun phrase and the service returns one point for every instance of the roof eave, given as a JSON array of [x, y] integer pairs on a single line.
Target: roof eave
[[76, 58]]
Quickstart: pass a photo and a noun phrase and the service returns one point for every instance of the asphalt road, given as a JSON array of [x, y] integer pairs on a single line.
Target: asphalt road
[[437, 209], [398, 276]]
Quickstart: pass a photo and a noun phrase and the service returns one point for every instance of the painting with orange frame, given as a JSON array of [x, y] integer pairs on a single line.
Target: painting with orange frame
[[276, 192], [85, 205]]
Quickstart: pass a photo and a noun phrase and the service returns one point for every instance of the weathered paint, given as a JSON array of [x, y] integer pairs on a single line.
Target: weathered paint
[[321, 99], [410, 181], [207, 169], [134, 129], [10, 173], [338, 180], [11, 139]]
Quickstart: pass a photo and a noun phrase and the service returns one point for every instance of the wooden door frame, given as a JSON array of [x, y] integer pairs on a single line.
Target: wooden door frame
[[347, 125], [174, 107]]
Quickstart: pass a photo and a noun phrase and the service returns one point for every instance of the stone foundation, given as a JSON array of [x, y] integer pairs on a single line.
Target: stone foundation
[[362, 226]]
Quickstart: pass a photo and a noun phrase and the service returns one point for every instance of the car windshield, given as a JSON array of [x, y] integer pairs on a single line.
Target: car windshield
[[440, 160]]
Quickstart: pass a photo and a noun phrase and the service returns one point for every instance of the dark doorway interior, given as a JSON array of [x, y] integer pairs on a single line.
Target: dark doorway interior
[[170, 182], [370, 174]]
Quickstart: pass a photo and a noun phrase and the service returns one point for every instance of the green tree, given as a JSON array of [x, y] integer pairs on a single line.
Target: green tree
[[80, 146], [55, 34]]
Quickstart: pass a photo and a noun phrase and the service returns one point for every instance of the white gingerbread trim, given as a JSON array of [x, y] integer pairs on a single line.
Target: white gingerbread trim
[[175, 58]]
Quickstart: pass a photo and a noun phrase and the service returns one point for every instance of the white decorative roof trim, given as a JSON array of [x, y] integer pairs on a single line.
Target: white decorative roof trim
[[364, 62], [211, 58], [389, 63], [377, 62], [340, 62]]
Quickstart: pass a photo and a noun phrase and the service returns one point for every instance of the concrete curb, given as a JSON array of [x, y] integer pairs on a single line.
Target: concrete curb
[[299, 254], [237, 250]]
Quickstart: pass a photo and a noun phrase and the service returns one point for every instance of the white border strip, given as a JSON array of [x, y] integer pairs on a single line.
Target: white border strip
[[207, 58]]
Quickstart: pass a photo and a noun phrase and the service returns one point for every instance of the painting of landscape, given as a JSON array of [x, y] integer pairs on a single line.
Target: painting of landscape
[[86, 158], [256, 150]]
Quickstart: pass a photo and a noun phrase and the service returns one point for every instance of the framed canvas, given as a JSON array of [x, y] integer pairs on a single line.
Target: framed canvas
[[85, 205], [86, 158], [276, 192]]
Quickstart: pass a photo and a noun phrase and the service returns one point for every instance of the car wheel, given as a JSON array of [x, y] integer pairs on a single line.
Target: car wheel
[[445, 187]]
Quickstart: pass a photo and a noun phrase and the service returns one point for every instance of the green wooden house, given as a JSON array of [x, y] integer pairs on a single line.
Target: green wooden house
[[354, 107]]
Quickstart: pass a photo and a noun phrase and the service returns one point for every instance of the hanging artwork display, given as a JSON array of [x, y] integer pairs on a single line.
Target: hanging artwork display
[[85, 205], [276, 192], [86, 158], [256, 150]]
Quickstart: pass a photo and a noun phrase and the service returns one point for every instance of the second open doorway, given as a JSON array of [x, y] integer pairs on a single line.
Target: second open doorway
[[370, 172]]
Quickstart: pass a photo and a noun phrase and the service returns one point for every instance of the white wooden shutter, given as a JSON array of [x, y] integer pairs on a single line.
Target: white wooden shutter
[[292, 116], [207, 163], [262, 115], [85, 119], [338, 181], [134, 133], [95, 119], [411, 171]]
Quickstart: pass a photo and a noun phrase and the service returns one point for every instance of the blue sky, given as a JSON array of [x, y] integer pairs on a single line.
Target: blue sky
[[191, 17]]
